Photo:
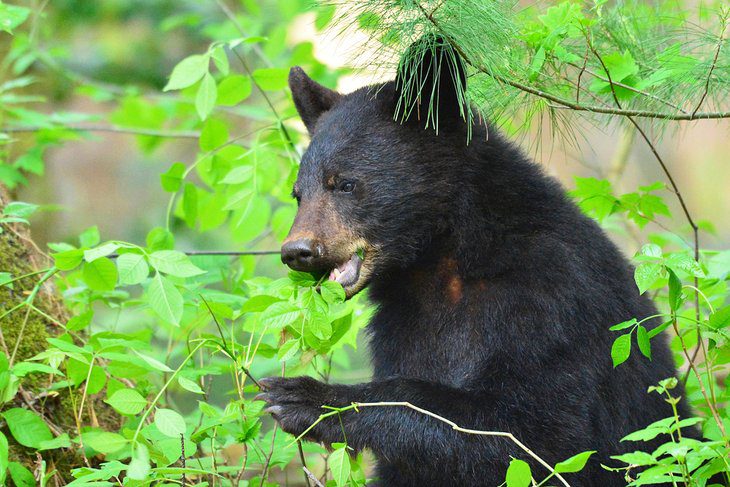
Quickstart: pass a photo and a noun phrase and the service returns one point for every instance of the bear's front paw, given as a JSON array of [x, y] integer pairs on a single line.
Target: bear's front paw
[[296, 404]]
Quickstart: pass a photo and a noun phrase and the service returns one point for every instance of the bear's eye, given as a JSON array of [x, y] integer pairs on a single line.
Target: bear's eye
[[347, 186]]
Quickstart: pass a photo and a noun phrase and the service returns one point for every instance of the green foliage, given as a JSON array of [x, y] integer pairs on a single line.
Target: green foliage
[[170, 342]]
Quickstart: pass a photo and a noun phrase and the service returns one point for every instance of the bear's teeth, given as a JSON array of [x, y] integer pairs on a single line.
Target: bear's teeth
[[337, 273]]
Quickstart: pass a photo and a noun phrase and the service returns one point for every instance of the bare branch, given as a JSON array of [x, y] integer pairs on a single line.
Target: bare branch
[[170, 134]]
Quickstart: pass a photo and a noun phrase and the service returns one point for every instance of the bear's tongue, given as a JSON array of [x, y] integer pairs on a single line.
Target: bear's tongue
[[347, 274]]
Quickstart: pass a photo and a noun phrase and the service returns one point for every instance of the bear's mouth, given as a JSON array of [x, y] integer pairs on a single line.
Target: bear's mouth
[[347, 274]]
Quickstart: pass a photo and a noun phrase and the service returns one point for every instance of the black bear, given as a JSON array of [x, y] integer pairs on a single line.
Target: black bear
[[494, 293]]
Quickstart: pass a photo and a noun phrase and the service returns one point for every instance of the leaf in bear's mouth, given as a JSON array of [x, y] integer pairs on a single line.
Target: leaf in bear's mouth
[[347, 273]]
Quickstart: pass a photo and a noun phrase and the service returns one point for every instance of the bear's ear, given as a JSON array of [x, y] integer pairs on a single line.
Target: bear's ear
[[310, 98], [431, 84]]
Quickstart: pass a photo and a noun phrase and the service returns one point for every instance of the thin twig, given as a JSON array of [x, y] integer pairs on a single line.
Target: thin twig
[[310, 476], [232, 253], [503, 434], [307, 473], [223, 343], [182, 459], [720, 40], [170, 134], [249, 72]]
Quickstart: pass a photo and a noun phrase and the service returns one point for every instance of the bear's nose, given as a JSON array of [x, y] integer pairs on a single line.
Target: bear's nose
[[300, 254]]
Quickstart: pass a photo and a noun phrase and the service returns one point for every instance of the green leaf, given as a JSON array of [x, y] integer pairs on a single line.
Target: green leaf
[[621, 349], [139, 466], [271, 79], [4, 449], [90, 237], [332, 292], [574, 463], [169, 422], [720, 318], [220, 59], [518, 474], [189, 385], [258, 303], [27, 428], [104, 442], [339, 462], [11, 16], [81, 321], [188, 72], [233, 90], [101, 251], [19, 209], [165, 299], [624, 325], [101, 274], [153, 362], [280, 314], [132, 269], [288, 350], [213, 135], [642, 338], [675, 291], [206, 96], [646, 274], [127, 401], [160, 239], [69, 259], [171, 180], [21, 475], [190, 204], [174, 263]]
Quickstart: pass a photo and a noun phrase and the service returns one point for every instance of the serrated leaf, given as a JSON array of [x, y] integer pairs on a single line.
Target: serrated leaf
[[174, 263], [169, 422], [104, 441], [189, 385], [642, 338], [279, 315], [101, 251], [100, 275], [339, 463], [206, 96], [624, 325], [188, 72], [27, 428], [165, 299], [69, 259], [518, 474], [153, 362], [132, 269], [171, 180], [271, 79], [621, 349], [574, 463], [127, 401], [233, 90], [213, 135], [646, 274]]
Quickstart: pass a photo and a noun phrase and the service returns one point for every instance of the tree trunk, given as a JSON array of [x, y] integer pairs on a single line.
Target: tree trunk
[[23, 334]]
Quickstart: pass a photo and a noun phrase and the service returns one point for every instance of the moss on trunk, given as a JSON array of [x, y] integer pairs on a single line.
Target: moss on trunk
[[24, 335]]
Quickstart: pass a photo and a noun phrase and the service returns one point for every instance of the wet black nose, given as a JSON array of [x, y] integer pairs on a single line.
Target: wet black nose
[[300, 254]]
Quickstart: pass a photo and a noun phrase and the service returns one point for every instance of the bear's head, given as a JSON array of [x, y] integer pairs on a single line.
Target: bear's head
[[377, 181]]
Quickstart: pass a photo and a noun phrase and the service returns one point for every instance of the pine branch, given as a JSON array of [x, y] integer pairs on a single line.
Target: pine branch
[[563, 101]]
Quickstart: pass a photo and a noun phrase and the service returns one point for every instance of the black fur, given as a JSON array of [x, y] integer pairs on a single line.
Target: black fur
[[494, 297]]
